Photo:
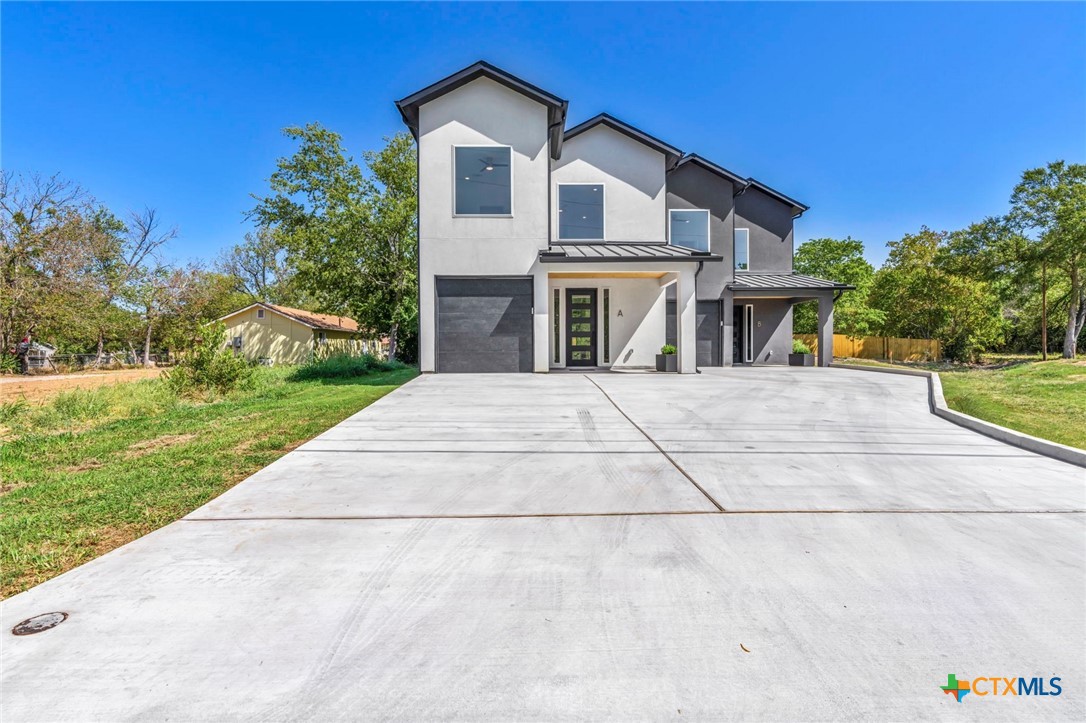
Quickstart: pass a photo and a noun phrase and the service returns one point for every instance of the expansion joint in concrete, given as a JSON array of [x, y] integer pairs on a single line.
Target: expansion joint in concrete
[[667, 456]]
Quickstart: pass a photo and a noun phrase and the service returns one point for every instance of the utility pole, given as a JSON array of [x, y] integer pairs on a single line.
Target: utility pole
[[1044, 311]]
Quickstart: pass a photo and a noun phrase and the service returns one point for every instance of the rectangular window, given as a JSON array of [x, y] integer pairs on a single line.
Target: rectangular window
[[690, 229], [260, 313], [580, 212], [748, 334], [322, 338], [606, 326], [742, 249], [484, 180], [557, 328]]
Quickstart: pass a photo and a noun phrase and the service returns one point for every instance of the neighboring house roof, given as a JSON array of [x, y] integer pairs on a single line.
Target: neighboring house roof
[[556, 107], [605, 252], [672, 153], [743, 183], [782, 282], [327, 322]]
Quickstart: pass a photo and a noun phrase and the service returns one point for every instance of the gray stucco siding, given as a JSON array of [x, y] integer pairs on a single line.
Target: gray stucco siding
[[770, 224], [690, 186]]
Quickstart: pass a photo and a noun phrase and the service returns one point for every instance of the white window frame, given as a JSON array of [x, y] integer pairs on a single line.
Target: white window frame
[[512, 195], [708, 231], [558, 215], [735, 242], [748, 333], [322, 337], [260, 313]]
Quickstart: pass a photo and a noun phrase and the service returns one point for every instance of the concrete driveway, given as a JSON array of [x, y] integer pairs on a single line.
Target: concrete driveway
[[552, 547]]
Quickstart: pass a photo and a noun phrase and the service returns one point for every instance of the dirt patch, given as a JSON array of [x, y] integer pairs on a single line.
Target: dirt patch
[[41, 388], [84, 466], [148, 446]]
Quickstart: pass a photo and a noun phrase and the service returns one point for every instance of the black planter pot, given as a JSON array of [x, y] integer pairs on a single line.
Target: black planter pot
[[667, 362], [801, 360]]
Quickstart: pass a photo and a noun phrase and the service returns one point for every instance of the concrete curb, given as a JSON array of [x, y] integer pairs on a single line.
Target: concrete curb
[[937, 404]]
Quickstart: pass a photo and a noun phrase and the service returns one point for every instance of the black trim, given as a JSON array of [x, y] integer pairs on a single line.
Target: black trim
[[593, 333], [672, 153], [556, 107]]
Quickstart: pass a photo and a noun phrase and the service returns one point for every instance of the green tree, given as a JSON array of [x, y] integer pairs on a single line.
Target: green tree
[[259, 269], [1048, 207], [922, 299], [839, 260], [351, 237]]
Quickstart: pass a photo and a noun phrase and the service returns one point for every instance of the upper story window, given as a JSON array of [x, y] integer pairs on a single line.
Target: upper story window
[[580, 212], [742, 249], [689, 229], [484, 181], [260, 313]]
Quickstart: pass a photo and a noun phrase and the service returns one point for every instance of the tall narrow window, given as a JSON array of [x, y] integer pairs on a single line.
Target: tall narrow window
[[606, 326], [742, 249], [580, 212], [557, 327], [748, 334], [484, 181], [690, 229]]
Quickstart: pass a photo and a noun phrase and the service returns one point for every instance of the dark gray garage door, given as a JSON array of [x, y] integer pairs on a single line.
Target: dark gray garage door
[[484, 325], [708, 332]]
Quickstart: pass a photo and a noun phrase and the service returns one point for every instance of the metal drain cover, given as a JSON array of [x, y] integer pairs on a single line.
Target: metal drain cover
[[39, 623]]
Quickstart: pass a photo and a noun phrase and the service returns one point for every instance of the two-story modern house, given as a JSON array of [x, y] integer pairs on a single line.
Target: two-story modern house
[[542, 247]]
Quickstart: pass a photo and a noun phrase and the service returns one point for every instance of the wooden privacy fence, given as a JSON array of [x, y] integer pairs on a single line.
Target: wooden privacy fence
[[879, 347]]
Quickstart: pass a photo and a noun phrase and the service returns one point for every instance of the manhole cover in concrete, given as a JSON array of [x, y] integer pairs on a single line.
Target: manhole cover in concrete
[[38, 623]]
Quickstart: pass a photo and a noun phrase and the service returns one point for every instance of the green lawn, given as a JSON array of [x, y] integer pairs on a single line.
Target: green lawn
[[92, 470], [1044, 399]]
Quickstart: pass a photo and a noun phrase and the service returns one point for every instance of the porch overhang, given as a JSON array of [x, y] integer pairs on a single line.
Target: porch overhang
[[783, 286], [611, 253]]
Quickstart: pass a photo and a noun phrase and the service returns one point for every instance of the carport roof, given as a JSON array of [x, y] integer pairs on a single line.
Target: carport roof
[[783, 282], [620, 252]]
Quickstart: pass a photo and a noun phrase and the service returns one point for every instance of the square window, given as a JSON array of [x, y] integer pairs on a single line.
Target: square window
[[580, 212], [742, 249], [690, 229], [484, 181]]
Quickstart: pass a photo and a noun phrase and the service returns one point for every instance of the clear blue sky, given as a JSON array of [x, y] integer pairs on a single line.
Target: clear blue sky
[[881, 117]]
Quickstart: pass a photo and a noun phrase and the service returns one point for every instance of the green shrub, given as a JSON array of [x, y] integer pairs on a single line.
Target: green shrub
[[799, 347], [209, 367], [13, 409], [343, 366], [668, 349]]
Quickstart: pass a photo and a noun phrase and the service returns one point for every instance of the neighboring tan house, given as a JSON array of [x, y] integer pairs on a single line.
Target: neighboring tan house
[[544, 248], [282, 335]]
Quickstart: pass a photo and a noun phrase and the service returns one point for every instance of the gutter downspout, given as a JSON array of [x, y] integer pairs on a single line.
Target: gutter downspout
[[701, 265]]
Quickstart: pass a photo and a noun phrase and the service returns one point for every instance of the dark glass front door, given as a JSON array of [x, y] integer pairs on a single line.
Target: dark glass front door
[[581, 327]]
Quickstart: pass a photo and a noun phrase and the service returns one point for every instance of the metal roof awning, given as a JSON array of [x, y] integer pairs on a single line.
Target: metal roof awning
[[620, 253], [784, 282]]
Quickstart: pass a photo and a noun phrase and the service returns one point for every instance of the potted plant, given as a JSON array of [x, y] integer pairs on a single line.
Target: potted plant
[[666, 360], [801, 355]]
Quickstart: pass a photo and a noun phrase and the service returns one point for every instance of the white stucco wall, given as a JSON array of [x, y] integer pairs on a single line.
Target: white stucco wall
[[634, 178], [480, 113]]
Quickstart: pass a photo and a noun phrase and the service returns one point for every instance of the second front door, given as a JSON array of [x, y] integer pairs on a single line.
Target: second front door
[[581, 327]]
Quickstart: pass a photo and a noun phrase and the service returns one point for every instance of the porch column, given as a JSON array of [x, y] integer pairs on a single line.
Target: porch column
[[541, 321], [825, 329], [686, 306]]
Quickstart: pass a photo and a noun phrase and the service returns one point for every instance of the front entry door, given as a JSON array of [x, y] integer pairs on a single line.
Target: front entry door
[[742, 334], [581, 327]]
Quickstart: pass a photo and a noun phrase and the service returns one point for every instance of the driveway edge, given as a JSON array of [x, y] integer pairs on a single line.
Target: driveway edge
[[938, 406]]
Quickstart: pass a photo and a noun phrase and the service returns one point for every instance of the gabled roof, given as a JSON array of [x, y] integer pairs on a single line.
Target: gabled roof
[[742, 183], [797, 207], [783, 282], [672, 153], [327, 322], [556, 107], [695, 159], [577, 253]]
